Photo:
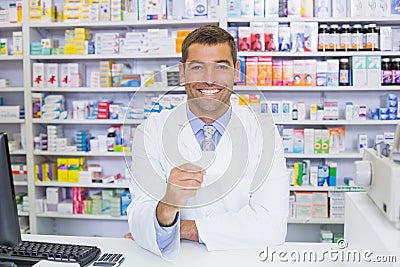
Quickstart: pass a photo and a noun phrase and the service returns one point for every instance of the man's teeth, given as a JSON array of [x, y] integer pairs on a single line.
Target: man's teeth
[[210, 92]]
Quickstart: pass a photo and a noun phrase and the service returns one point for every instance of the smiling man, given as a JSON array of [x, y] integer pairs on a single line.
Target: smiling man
[[208, 171]]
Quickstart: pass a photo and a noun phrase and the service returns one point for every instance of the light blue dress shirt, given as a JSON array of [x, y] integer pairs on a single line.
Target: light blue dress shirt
[[165, 235]]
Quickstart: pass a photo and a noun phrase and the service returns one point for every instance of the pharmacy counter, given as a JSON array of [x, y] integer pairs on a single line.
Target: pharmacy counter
[[367, 231], [195, 255]]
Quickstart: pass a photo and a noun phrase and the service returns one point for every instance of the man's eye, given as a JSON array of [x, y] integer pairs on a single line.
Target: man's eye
[[196, 68], [222, 67]]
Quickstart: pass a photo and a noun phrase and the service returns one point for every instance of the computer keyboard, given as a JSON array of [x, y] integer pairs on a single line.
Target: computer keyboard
[[28, 253]]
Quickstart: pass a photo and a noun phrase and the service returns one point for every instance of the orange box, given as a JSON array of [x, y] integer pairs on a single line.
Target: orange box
[[244, 99], [178, 44], [277, 72], [298, 72], [183, 33], [251, 70], [264, 71], [287, 72]]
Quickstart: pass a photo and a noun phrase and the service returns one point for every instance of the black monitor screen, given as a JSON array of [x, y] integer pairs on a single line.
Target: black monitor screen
[[9, 227]]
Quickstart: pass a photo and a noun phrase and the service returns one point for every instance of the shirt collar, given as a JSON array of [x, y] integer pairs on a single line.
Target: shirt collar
[[220, 124]]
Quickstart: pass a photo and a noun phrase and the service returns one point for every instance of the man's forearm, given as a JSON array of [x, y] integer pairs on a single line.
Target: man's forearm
[[189, 230]]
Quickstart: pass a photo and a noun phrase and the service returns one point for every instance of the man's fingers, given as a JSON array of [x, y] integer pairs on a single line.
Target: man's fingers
[[191, 168]]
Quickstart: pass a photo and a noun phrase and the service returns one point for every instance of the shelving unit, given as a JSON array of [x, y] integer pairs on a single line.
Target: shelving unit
[[32, 31]]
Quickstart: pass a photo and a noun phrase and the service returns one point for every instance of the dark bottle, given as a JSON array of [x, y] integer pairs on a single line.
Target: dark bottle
[[295, 113], [344, 72], [323, 38], [387, 75], [111, 139], [334, 38], [396, 71]]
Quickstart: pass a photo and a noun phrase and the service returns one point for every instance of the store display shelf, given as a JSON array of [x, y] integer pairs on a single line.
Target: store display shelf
[[20, 183], [121, 24], [12, 89], [338, 188], [149, 89], [11, 26], [315, 221], [11, 58], [338, 122], [81, 154], [315, 88], [393, 20], [109, 56], [23, 213], [312, 188], [343, 155], [92, 185], [12, 121], [320, 54], [81, 216], [73, 121], [18, 152]]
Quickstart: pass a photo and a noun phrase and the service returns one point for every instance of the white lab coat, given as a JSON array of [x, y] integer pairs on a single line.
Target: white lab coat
[[237, 220]]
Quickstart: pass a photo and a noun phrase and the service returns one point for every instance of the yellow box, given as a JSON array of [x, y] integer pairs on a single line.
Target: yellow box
[[62, 162], [36, 173], [34, 3], [70, 49], [244, 99], [73, 176], [62, 176]]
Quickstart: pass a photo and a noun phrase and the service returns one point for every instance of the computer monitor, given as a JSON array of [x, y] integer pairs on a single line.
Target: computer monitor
[[10, 234]]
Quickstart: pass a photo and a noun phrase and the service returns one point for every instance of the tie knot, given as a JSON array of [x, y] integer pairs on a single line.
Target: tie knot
[[209, 131]]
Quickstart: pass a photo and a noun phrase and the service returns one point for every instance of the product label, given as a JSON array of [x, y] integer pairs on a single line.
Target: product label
[[323, 41], [357, 40], [396, 76], [345, 41], [344, 77], [334, 41], [387, 77], [372, 40]]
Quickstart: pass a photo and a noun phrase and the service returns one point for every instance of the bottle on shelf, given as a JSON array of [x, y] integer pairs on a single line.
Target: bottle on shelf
[[111, 139], [396, 71], [344, 72], [323, 38], [345, 38], [295, 115], [334, 38], [386, 72], [372, 38], [357, 38]]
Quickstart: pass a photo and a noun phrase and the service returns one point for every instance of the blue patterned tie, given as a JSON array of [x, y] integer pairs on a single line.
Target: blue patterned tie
[[209, 131]]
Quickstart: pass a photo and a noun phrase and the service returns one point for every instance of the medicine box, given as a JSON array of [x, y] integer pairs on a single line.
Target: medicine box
[[374, 70], [359, 71]]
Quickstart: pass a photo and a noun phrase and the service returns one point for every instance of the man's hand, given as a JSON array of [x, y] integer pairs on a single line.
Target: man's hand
[[183, 183], [188, 230]]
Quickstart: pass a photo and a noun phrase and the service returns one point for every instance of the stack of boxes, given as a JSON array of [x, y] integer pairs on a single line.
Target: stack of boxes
[[13, 14], [82, 140], [45, 172], [54, 196], [180, 36], [55, 75], [302, 174], [311, 205], [68, 169], [336, 205], [107, 43], [79, 195], [366, 71], [53, 133], [389, 109], [106, 73]]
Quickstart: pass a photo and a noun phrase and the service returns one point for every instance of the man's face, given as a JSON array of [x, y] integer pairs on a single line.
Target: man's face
[[209, 75]]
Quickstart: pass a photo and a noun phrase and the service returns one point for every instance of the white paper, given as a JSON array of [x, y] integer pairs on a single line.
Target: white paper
[[46, 263]]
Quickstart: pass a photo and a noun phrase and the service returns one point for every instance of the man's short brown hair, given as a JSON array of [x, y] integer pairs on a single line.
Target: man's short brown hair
[[209, 35]]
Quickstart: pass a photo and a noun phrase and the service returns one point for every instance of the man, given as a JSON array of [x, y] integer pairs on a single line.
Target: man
[[232, 197]]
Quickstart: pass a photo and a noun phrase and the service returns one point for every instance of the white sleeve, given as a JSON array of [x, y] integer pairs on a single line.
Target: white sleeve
[[142, 208], [262, 222]]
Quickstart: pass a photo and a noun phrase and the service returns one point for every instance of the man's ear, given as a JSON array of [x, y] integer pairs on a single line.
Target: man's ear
[[237, 72], [182, 73]]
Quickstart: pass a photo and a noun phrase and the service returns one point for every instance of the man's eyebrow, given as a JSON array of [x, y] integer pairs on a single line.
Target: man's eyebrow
[[203, 62]]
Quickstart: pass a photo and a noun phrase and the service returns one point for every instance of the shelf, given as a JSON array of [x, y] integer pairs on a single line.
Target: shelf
[[338, 122], [348, 155], [346, 89], [11, 58], [11, 26], [12, 89], [81, 216], [12, 121], [315, 221], [379, 20], [100, 57], [71, 121], [82, 154], [93, 185], [338, 188], [121, 24], [23, 213], [20, 183], [18, 152], [150, 89], [312, 188], [319, 54]]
